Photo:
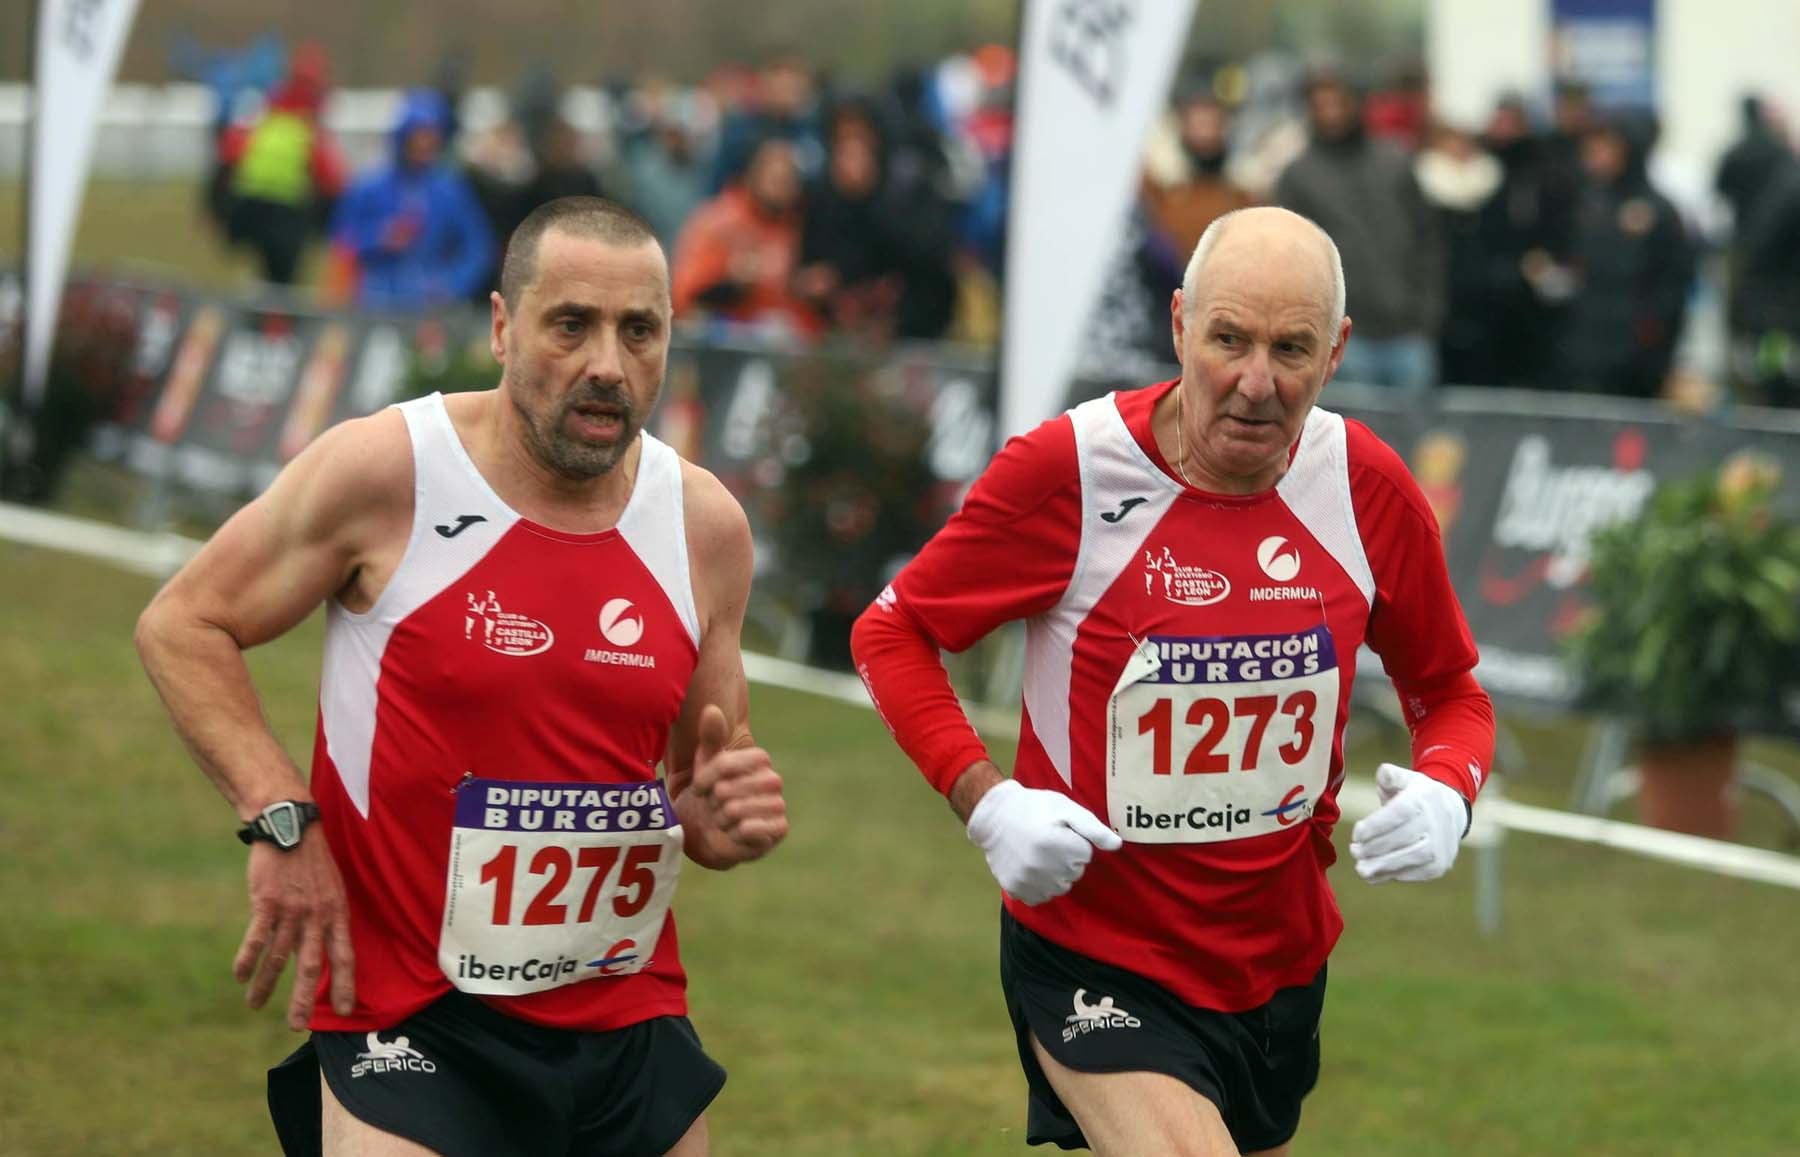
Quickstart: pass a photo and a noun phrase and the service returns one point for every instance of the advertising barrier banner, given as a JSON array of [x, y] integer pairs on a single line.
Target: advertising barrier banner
[[846, 462]]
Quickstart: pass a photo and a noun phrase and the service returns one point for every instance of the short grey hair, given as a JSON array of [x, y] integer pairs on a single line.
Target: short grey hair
[[1210, 238]]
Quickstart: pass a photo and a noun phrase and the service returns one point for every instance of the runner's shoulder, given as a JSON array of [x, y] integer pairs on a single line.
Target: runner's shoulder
[[718, 531], [1030, 471], [1379, 476], [358, 470]]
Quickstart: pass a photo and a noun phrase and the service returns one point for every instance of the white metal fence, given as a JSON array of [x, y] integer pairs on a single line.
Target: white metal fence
[[164, 132]]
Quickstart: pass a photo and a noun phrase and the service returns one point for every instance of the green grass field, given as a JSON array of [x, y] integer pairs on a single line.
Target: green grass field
[[848, 982], [154, 229]]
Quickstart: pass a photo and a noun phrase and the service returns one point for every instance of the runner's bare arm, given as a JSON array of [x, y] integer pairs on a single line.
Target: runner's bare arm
[[265, 570], [726, 791]]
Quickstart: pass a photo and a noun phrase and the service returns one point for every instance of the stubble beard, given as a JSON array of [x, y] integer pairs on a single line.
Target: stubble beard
[[547, 438]]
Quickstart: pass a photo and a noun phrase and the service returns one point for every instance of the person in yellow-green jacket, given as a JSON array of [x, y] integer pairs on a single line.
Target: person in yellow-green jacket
[[285, 172]]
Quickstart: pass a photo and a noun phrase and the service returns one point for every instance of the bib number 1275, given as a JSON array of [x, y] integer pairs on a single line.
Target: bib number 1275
[[593, 866], [550, 884]]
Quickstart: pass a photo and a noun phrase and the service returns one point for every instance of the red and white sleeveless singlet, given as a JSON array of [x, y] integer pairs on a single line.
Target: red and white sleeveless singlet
[[486, 762], [1188, 666]]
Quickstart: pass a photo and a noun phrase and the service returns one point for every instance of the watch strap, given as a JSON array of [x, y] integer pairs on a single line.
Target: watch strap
[[282, 823]]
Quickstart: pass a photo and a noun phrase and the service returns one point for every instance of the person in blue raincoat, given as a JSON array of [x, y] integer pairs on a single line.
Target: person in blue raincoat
[[412, 226]]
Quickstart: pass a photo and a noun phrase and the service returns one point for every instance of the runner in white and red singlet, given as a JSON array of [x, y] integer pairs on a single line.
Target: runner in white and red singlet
[[532, 706], [1197, 563]]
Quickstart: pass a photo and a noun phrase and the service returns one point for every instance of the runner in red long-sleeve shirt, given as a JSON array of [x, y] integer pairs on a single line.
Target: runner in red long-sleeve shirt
[[1197, 563]]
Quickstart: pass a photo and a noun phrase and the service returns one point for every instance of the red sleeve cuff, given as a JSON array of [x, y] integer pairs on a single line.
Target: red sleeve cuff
[[1452, 725]]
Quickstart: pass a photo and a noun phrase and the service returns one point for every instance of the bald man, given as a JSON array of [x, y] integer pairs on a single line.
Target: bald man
[[1196, 563]]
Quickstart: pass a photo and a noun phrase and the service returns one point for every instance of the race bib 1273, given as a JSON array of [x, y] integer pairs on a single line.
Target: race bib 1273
[[1220, 737]]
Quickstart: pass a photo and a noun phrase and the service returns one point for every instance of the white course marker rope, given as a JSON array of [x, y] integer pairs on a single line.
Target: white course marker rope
[[159, 555]]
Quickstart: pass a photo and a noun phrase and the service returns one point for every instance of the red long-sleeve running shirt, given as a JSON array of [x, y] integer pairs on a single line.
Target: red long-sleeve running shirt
[[1189, 661]]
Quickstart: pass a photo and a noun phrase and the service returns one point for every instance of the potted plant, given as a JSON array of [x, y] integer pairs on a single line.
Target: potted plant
[[1693, 635], [854, 494], [95, 340]]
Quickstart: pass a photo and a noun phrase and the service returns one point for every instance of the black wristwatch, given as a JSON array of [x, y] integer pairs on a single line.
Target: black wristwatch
[[281, 823]]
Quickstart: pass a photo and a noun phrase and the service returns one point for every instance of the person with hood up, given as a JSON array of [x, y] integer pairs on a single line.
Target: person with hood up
[[413, 226], [1528, 232], [1460, 181], [877, 235], [1634, 264], [1184, 207]]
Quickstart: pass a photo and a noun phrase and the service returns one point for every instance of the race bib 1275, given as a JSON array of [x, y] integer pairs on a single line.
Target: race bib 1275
[[551, 883]]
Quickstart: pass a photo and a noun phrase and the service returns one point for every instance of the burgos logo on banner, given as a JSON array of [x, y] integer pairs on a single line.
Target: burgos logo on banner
[[1191, 586]]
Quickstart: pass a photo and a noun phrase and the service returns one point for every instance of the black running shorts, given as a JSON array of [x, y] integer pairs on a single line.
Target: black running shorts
[[462, 1079], [1256, 1066]]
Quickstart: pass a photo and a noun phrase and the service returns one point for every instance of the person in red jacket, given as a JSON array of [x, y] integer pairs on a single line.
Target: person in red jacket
[[736, 256], [1197, 563]]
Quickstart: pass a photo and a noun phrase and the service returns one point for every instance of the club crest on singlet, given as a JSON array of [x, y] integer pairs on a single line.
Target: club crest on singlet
[[503, 631], [1190, 586], [1221, 737], [622, 626], [1280, 560]]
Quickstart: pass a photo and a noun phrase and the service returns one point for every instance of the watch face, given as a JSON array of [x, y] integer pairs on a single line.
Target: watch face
[[284, 824]]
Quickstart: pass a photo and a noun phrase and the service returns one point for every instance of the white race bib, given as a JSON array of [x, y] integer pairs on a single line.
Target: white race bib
[[1222, 737], [551, 883]]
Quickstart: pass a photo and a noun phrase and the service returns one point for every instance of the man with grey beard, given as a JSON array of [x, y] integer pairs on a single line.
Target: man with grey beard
[[530, 604]]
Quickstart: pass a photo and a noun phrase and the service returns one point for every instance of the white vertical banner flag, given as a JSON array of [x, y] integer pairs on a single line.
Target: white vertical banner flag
[[1093, 74], [78, 48]]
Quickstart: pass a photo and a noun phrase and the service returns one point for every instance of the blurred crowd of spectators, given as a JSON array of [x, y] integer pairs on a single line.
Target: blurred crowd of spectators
[[1521, 253]]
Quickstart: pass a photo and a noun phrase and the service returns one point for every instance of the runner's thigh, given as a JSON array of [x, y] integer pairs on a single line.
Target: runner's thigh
[[347, 1135], [1138, 1114], [693, 1143]]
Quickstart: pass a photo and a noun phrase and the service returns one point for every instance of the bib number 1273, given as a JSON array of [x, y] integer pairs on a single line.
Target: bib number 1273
[[1219, 738], [1217, 719]]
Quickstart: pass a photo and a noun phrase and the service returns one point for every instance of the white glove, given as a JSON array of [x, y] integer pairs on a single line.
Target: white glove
[[1037, 842], [1415, 832]]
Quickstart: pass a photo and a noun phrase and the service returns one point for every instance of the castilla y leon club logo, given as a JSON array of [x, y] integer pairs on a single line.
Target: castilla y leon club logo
[[1192, 586], [1549, 511], [502, 631]]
